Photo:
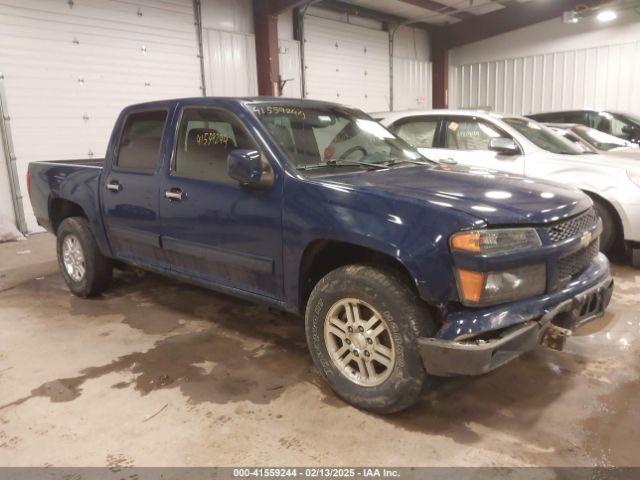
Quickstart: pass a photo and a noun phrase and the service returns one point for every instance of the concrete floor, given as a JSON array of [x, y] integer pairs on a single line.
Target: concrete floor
[[159, 373]]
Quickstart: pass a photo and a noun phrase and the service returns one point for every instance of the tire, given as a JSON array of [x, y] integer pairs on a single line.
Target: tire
[[609, 239], [89, 273], [387, 388]]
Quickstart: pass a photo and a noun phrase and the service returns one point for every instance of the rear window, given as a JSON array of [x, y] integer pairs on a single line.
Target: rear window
[[140, 141]]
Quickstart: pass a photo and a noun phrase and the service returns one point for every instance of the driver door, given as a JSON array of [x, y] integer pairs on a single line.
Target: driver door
[[421, 132], [213, 228]]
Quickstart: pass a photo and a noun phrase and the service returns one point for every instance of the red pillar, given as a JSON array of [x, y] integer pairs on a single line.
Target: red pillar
[[267, 60], [440, 69]]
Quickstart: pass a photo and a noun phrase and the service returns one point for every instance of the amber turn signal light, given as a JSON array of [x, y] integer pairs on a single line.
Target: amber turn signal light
[[467, 241], [471, 285]]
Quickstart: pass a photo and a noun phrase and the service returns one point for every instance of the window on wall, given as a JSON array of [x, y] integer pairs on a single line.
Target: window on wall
[[472, 134], [205, 139], [140, 141], [419, 133]]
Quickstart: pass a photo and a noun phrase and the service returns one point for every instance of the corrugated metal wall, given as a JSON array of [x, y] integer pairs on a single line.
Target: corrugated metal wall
[[70, 67], [230, 63], [595, 77], [346, 63], [290, 68], [411, 84]]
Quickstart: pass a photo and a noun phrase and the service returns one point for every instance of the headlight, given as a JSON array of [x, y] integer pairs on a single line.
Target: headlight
[[496, 241], [478, 288], [634, 176]]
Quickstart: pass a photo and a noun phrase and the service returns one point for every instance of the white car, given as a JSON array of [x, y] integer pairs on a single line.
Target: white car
[[523, 146], [595, 141]]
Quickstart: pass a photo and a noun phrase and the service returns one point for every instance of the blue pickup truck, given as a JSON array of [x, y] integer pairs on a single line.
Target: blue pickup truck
[[402, 268]]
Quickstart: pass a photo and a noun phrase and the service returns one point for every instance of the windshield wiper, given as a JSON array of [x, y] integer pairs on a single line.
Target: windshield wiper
[[428, 163], [341, 163]]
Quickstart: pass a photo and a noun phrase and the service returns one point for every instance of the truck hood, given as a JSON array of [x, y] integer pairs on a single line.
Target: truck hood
[[498, 198]]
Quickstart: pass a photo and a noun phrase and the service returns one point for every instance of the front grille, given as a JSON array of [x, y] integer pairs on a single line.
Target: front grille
[[576, 262], [573, 227]]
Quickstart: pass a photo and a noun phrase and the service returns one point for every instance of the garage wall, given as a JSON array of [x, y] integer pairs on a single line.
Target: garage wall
[[551, 66], [230, 63], [230, 49], [411, 70], [346, 63], [69, 67]]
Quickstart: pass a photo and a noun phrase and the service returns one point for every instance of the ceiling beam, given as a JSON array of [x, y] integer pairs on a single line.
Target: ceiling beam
[[440, 8], [276, 7], [513, 17], [358, 11]]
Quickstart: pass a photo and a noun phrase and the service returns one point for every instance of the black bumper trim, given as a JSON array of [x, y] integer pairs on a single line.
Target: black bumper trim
[[451, 358]]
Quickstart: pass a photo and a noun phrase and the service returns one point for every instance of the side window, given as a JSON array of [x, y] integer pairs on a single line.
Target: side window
[[603, 123], [205, 139], [140, 141], [418, 133], [617, 126], [470, 134], [575, 117]]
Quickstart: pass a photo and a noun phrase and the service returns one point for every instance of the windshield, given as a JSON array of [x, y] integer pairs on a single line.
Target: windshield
[[542, 136], [322, 137], [628, 118], [583, 145], [601, 140]]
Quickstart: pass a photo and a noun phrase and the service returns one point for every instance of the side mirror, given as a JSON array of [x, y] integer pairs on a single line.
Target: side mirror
[[250, 168], [629, 129], [504, 146]]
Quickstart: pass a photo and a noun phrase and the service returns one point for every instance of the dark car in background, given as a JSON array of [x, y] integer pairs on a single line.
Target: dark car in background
[[618, 124]]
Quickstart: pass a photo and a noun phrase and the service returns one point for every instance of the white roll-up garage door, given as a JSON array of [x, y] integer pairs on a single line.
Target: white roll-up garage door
[[346, 63], [70, 66]]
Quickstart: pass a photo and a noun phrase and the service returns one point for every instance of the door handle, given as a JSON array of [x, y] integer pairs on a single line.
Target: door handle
[[449, 161], [114, 186], [175, 194]]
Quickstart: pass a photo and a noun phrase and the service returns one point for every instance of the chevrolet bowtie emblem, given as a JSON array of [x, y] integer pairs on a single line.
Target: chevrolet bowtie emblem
[[585, 239]]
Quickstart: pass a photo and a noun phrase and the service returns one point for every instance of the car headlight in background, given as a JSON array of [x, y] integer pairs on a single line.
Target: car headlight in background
[[634, 176], [480, 288], [504, 240]]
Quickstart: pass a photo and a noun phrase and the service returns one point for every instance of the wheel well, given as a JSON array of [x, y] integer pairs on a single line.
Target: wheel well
[[61, 209], [616, 217], [322, 256]]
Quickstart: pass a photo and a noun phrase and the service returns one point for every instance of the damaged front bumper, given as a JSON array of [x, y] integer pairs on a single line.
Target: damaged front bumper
[[484, 339]]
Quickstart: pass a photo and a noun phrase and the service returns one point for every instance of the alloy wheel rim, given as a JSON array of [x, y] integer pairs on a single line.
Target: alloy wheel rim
[[73, 257], [359, 342]]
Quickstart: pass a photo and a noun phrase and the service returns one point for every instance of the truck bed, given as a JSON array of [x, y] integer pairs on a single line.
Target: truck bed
[[83, 162]]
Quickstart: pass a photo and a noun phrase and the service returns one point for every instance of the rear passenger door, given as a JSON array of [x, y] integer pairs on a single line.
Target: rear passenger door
[[466, 141], [214, 229], [130, 190]]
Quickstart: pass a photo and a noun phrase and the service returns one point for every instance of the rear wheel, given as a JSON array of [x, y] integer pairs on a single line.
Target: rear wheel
[[85, 270], [362, 324]]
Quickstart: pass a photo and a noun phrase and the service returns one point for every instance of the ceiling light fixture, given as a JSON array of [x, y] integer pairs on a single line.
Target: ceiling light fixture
[[606, 16]]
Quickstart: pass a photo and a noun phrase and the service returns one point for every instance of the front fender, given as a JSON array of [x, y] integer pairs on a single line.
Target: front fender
[[414, 234]]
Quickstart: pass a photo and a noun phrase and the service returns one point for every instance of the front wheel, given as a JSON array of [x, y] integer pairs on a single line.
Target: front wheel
[[85, 270], [362, 324]]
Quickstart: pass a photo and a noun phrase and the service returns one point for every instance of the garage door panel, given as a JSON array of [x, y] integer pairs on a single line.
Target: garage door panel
[[69, 71], [113, 15], [346, 63]]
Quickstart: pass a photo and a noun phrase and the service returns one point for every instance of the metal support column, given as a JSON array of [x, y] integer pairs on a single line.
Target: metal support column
[[267, 51], [12, 170], [197, 15]]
